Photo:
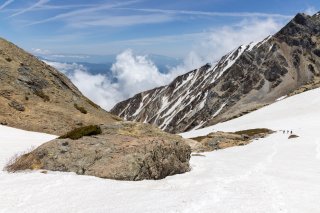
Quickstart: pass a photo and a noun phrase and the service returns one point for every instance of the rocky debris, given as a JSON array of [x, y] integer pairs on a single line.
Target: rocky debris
[[122, 151], [246, 79], [4, 123], [6, 94], [222, 140], [17, 106], [36, 97], [82, 131], [293, 136]]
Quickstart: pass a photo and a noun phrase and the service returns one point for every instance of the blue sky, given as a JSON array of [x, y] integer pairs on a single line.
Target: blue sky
[[104, 27]]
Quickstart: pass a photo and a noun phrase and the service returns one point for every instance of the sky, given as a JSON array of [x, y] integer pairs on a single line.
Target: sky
[[193, 31], [102, 27]]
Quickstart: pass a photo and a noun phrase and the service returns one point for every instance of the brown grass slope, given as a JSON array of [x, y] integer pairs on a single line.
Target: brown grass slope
[[34, 96]]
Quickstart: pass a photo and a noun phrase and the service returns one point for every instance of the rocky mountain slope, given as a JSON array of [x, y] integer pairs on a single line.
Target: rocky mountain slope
[[244, 80], [35, 96]]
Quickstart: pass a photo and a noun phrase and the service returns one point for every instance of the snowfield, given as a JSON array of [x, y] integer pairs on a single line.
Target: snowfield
[[273, 174]]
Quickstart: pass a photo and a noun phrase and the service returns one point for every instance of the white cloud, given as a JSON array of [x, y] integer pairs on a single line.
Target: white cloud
[[37, 4], [91, 11], [97, 87], [136, 73], [310, 11], [214, 44], [116, 21], [223, 40], [38, 51], [69, 56], [192, 61], [6, 3], [205, 13]]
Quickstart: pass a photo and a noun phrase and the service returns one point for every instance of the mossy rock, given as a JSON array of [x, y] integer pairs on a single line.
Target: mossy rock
[[82, 131]]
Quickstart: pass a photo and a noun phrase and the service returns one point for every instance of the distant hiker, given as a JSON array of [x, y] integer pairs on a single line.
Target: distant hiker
[[291, 132], [283, 131]]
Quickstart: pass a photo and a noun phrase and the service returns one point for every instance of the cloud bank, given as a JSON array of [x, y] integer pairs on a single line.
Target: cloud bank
[[223, 40], [136, 73], [133, 74]]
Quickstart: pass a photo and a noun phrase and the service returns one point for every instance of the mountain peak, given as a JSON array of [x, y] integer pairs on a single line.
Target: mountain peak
[[301, 18]]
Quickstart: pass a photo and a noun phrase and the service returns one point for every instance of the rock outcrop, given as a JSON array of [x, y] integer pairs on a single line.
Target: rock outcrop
[[121, 151], [223, 140], [35, 96], [244, 80]]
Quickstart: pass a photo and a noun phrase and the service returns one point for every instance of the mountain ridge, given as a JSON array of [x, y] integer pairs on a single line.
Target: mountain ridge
[[246, 79]]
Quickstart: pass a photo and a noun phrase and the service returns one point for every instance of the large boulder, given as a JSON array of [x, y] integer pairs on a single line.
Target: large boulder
[[122, 151]]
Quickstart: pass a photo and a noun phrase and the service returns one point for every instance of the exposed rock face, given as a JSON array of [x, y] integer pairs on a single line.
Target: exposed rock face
[[247, 78], [35, 96], [123, 151]]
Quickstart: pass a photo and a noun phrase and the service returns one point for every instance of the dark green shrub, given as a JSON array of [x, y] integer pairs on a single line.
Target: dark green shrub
[[253, 132], [80, 108], [82, 131]]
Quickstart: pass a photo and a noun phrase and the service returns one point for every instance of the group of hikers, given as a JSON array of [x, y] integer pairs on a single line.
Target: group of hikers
[[286, 131]]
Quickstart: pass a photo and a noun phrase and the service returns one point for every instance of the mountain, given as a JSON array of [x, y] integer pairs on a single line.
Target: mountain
[[244, 80], [35, 96]]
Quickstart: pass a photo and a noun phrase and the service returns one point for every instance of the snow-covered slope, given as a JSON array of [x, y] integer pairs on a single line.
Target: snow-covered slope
[[273, 174]]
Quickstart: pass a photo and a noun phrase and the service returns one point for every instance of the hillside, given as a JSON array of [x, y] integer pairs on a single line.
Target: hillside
[[244, 80], [273, 174], [35, 96]]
